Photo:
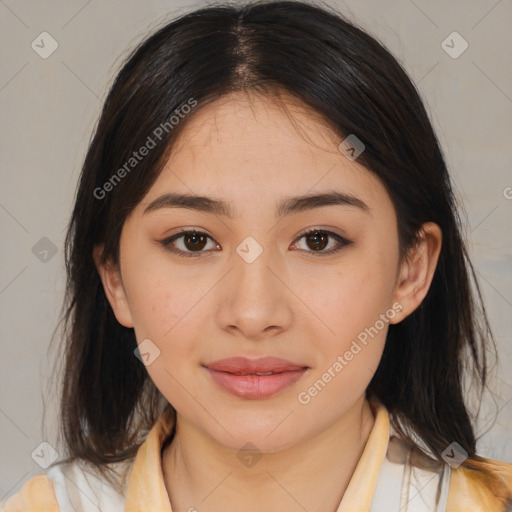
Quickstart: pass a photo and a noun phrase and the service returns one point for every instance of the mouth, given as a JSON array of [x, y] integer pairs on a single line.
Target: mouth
[[255, 378]]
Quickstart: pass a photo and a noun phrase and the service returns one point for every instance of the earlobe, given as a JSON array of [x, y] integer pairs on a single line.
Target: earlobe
[[110, 276], [417, 271]]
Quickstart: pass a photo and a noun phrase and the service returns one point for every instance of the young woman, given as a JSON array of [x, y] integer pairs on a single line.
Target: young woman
[[270, 305]]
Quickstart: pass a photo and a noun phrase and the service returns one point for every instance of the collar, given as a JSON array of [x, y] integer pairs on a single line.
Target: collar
[[361, 488], [146, 488]]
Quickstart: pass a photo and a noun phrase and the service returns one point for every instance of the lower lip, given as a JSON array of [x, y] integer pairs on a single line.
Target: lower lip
[[255, 386]]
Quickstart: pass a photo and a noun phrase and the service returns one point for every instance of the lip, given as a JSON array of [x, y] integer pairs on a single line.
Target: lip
[[238, 375]]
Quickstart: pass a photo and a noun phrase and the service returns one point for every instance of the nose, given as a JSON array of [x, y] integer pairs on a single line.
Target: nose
[[256, 302]]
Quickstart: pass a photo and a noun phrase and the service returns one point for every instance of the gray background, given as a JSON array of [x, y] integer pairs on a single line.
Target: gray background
[[49, 107]]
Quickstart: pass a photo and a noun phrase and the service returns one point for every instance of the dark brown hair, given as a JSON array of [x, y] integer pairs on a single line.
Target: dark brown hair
[[108, 400]]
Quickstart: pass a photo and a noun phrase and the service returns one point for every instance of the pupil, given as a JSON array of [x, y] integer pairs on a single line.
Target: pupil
[[195, 243], [315, 237]]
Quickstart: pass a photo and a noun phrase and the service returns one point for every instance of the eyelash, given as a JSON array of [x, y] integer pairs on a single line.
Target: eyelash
[[343, 242]]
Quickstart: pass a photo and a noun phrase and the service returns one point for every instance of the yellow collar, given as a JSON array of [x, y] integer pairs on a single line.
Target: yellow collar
[[146, 489], [361, 488]]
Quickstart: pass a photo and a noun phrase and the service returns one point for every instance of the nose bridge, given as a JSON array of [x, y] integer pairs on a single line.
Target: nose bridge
[[255, 298], [252, 266]]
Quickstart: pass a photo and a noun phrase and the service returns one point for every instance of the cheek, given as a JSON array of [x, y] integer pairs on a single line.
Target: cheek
[[352, 298], [161, 298], [349, 353], [167, 309], [355, 310], [164, 314]]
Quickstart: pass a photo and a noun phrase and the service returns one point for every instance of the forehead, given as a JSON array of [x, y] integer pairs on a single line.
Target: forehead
[[250, 120], [249, 148]]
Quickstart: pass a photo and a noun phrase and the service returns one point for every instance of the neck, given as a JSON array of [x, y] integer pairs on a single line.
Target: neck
[[313, 475]]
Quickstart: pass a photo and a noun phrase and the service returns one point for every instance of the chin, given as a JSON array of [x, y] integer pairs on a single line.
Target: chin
[[256, 442], [266, 438]]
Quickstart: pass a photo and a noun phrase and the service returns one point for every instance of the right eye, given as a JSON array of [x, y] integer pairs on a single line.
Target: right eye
[[192, 243]]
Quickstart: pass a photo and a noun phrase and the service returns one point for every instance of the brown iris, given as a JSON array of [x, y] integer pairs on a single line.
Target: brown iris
[[194, 241], [319, 240]]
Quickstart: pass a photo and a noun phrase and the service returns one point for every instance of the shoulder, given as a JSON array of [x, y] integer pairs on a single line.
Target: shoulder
[[36, 495], [72, 486], [481, 485]]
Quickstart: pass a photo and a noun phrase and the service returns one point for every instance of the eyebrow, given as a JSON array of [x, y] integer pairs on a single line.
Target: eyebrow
[[284, 207]]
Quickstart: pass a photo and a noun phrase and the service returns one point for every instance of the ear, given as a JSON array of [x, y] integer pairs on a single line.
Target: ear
[[417, 271], [110, 276]]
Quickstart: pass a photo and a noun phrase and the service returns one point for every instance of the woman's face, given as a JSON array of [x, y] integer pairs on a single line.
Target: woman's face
[[251, 285]]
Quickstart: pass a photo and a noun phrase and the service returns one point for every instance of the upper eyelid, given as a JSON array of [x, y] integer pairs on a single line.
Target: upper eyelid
[[200, 232], [183, 232]]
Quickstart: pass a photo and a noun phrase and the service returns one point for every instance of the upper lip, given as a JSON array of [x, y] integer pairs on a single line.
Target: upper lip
[[242, 365]]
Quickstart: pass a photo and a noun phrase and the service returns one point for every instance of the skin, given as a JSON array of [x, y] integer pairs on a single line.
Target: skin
[[291, 302]]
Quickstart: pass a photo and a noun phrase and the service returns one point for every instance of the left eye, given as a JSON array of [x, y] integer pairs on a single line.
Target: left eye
[[193, 242], [317, 239]]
